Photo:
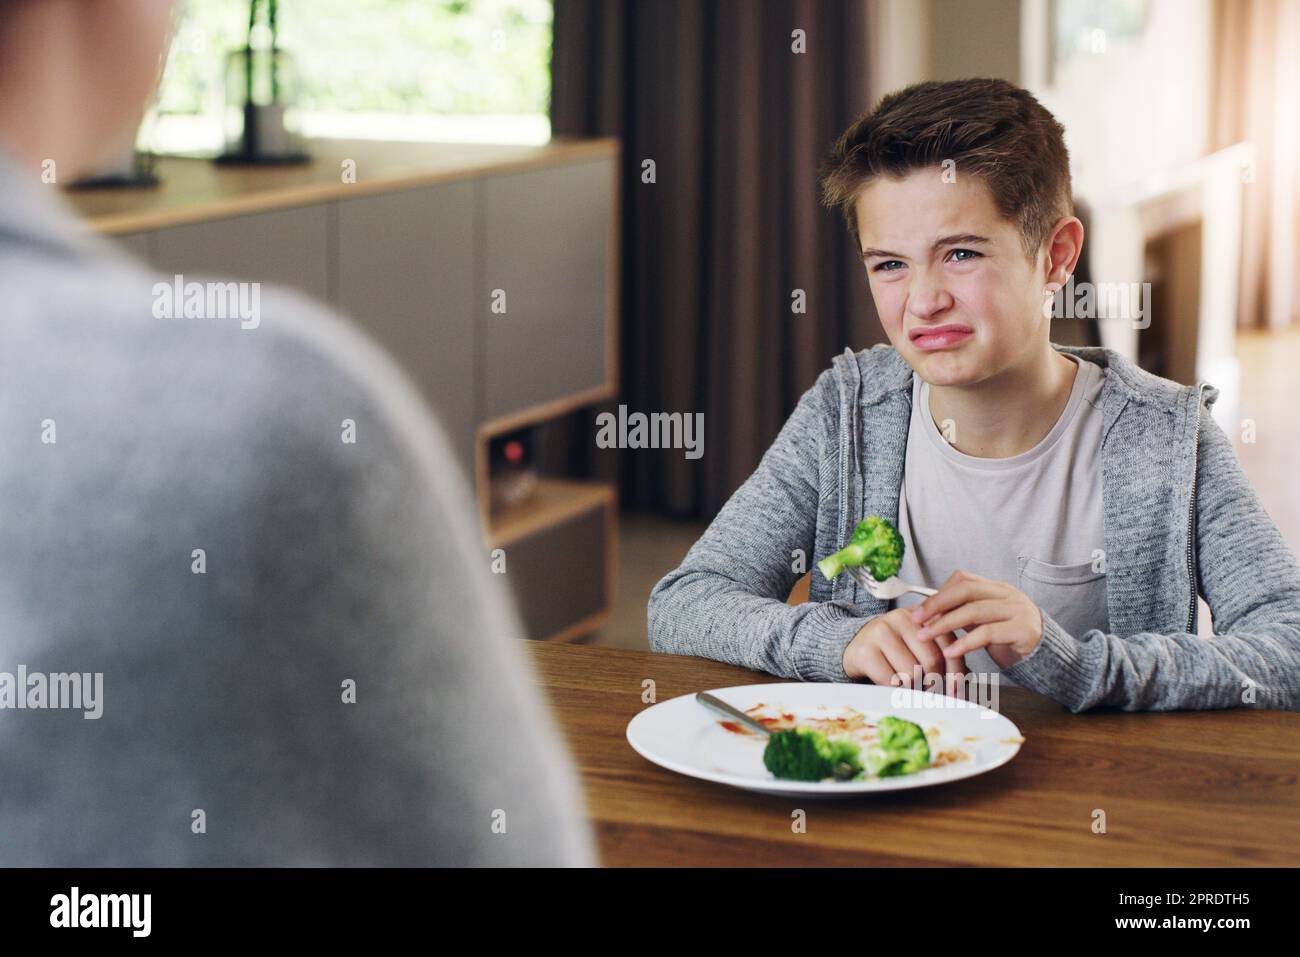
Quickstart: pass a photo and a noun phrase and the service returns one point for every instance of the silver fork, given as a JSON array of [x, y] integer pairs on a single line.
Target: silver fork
[[891, 587]]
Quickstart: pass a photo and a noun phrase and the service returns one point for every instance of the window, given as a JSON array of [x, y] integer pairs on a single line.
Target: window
[[451, 70]]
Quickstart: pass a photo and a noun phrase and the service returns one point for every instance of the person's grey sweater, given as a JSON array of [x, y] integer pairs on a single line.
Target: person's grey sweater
[[226, 737], [1180, 516]]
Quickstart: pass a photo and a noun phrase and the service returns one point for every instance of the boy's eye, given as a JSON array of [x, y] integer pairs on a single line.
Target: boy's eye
[[884, 266], [969, 252]]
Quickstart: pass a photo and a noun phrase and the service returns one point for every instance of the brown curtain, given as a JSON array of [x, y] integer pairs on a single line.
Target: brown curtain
[[1255, 97], [735, 122]]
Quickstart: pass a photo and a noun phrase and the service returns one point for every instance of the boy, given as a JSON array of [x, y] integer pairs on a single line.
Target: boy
[[1067, 504]]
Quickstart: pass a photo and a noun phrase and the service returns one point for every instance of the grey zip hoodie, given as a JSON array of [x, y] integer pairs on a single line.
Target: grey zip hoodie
[[1180, 517]]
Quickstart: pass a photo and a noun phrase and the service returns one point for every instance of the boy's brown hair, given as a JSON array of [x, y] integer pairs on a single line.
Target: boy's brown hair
[[989, 128]]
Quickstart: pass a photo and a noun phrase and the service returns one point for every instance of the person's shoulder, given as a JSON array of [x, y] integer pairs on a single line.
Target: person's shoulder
[[878, 357], [1140, 384], [334, 367], [284, 371], [875, 369], [300, 324]]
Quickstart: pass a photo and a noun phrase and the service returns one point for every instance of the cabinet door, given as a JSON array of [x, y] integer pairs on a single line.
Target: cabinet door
[[289, 247], [558, 574], [405, 273], [545, 247]]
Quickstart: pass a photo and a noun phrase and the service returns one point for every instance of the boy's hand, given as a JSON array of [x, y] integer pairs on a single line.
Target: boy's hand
[[995, 615], [888, 652]]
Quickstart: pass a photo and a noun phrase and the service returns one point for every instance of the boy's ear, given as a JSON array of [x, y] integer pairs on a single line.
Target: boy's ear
[[1063, 246]]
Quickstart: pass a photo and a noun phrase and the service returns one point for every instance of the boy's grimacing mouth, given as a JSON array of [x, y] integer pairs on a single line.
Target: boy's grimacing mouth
[[929, 338]]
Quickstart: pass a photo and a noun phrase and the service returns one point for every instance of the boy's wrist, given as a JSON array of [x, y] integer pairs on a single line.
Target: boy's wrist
[[1055, 666], [822, 643]]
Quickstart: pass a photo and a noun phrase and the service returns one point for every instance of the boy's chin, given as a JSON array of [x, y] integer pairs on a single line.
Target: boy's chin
[[945, 368]]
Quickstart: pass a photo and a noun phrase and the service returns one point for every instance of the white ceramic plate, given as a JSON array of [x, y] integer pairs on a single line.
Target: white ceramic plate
[[685, 736]]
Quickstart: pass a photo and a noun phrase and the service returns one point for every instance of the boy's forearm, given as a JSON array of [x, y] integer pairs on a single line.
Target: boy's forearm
[[1176, 672], [702, 613], [726, 601]]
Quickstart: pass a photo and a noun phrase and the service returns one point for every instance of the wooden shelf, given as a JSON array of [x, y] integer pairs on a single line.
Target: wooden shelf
[[566, 536], [554, 501], [545, 412]]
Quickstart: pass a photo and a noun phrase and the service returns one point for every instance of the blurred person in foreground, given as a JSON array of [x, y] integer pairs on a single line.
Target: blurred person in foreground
[[305, 659]]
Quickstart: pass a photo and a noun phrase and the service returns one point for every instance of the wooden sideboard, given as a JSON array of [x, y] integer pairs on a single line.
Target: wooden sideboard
[[417, 242]]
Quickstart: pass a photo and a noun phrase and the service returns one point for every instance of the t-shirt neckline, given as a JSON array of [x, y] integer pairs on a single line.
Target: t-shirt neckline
[[921, 406]]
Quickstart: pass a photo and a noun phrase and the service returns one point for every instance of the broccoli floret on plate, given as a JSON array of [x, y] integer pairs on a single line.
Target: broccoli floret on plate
[[901, 748], [804, 754]]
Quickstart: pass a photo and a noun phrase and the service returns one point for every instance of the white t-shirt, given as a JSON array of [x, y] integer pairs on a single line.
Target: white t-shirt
[[1033, 520]]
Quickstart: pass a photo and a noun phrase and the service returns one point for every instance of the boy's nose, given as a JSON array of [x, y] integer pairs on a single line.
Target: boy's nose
[[926, 299]]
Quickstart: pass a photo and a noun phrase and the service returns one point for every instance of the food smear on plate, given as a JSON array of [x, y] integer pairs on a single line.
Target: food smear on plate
[[845, 721], [842, 744], [948, 756]]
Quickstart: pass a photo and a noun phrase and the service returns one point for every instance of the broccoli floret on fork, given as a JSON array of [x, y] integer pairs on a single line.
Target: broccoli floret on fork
[[875, 546]]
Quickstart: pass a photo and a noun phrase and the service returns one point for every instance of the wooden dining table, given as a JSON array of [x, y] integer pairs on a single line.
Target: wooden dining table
[[1200, 789]]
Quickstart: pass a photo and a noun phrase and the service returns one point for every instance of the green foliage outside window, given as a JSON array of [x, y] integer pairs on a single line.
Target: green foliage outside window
[[394, 58]]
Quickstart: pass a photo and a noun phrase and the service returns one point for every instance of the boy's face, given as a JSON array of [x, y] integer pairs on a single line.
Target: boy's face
[[939, 254]]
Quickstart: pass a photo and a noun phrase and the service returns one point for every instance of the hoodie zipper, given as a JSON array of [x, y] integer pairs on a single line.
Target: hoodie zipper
[[1191, 512], [844, 478], [844, 475], [848, 426]]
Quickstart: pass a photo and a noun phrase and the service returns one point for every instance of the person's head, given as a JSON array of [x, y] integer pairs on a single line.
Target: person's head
[[75, 76], [958, 195]]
